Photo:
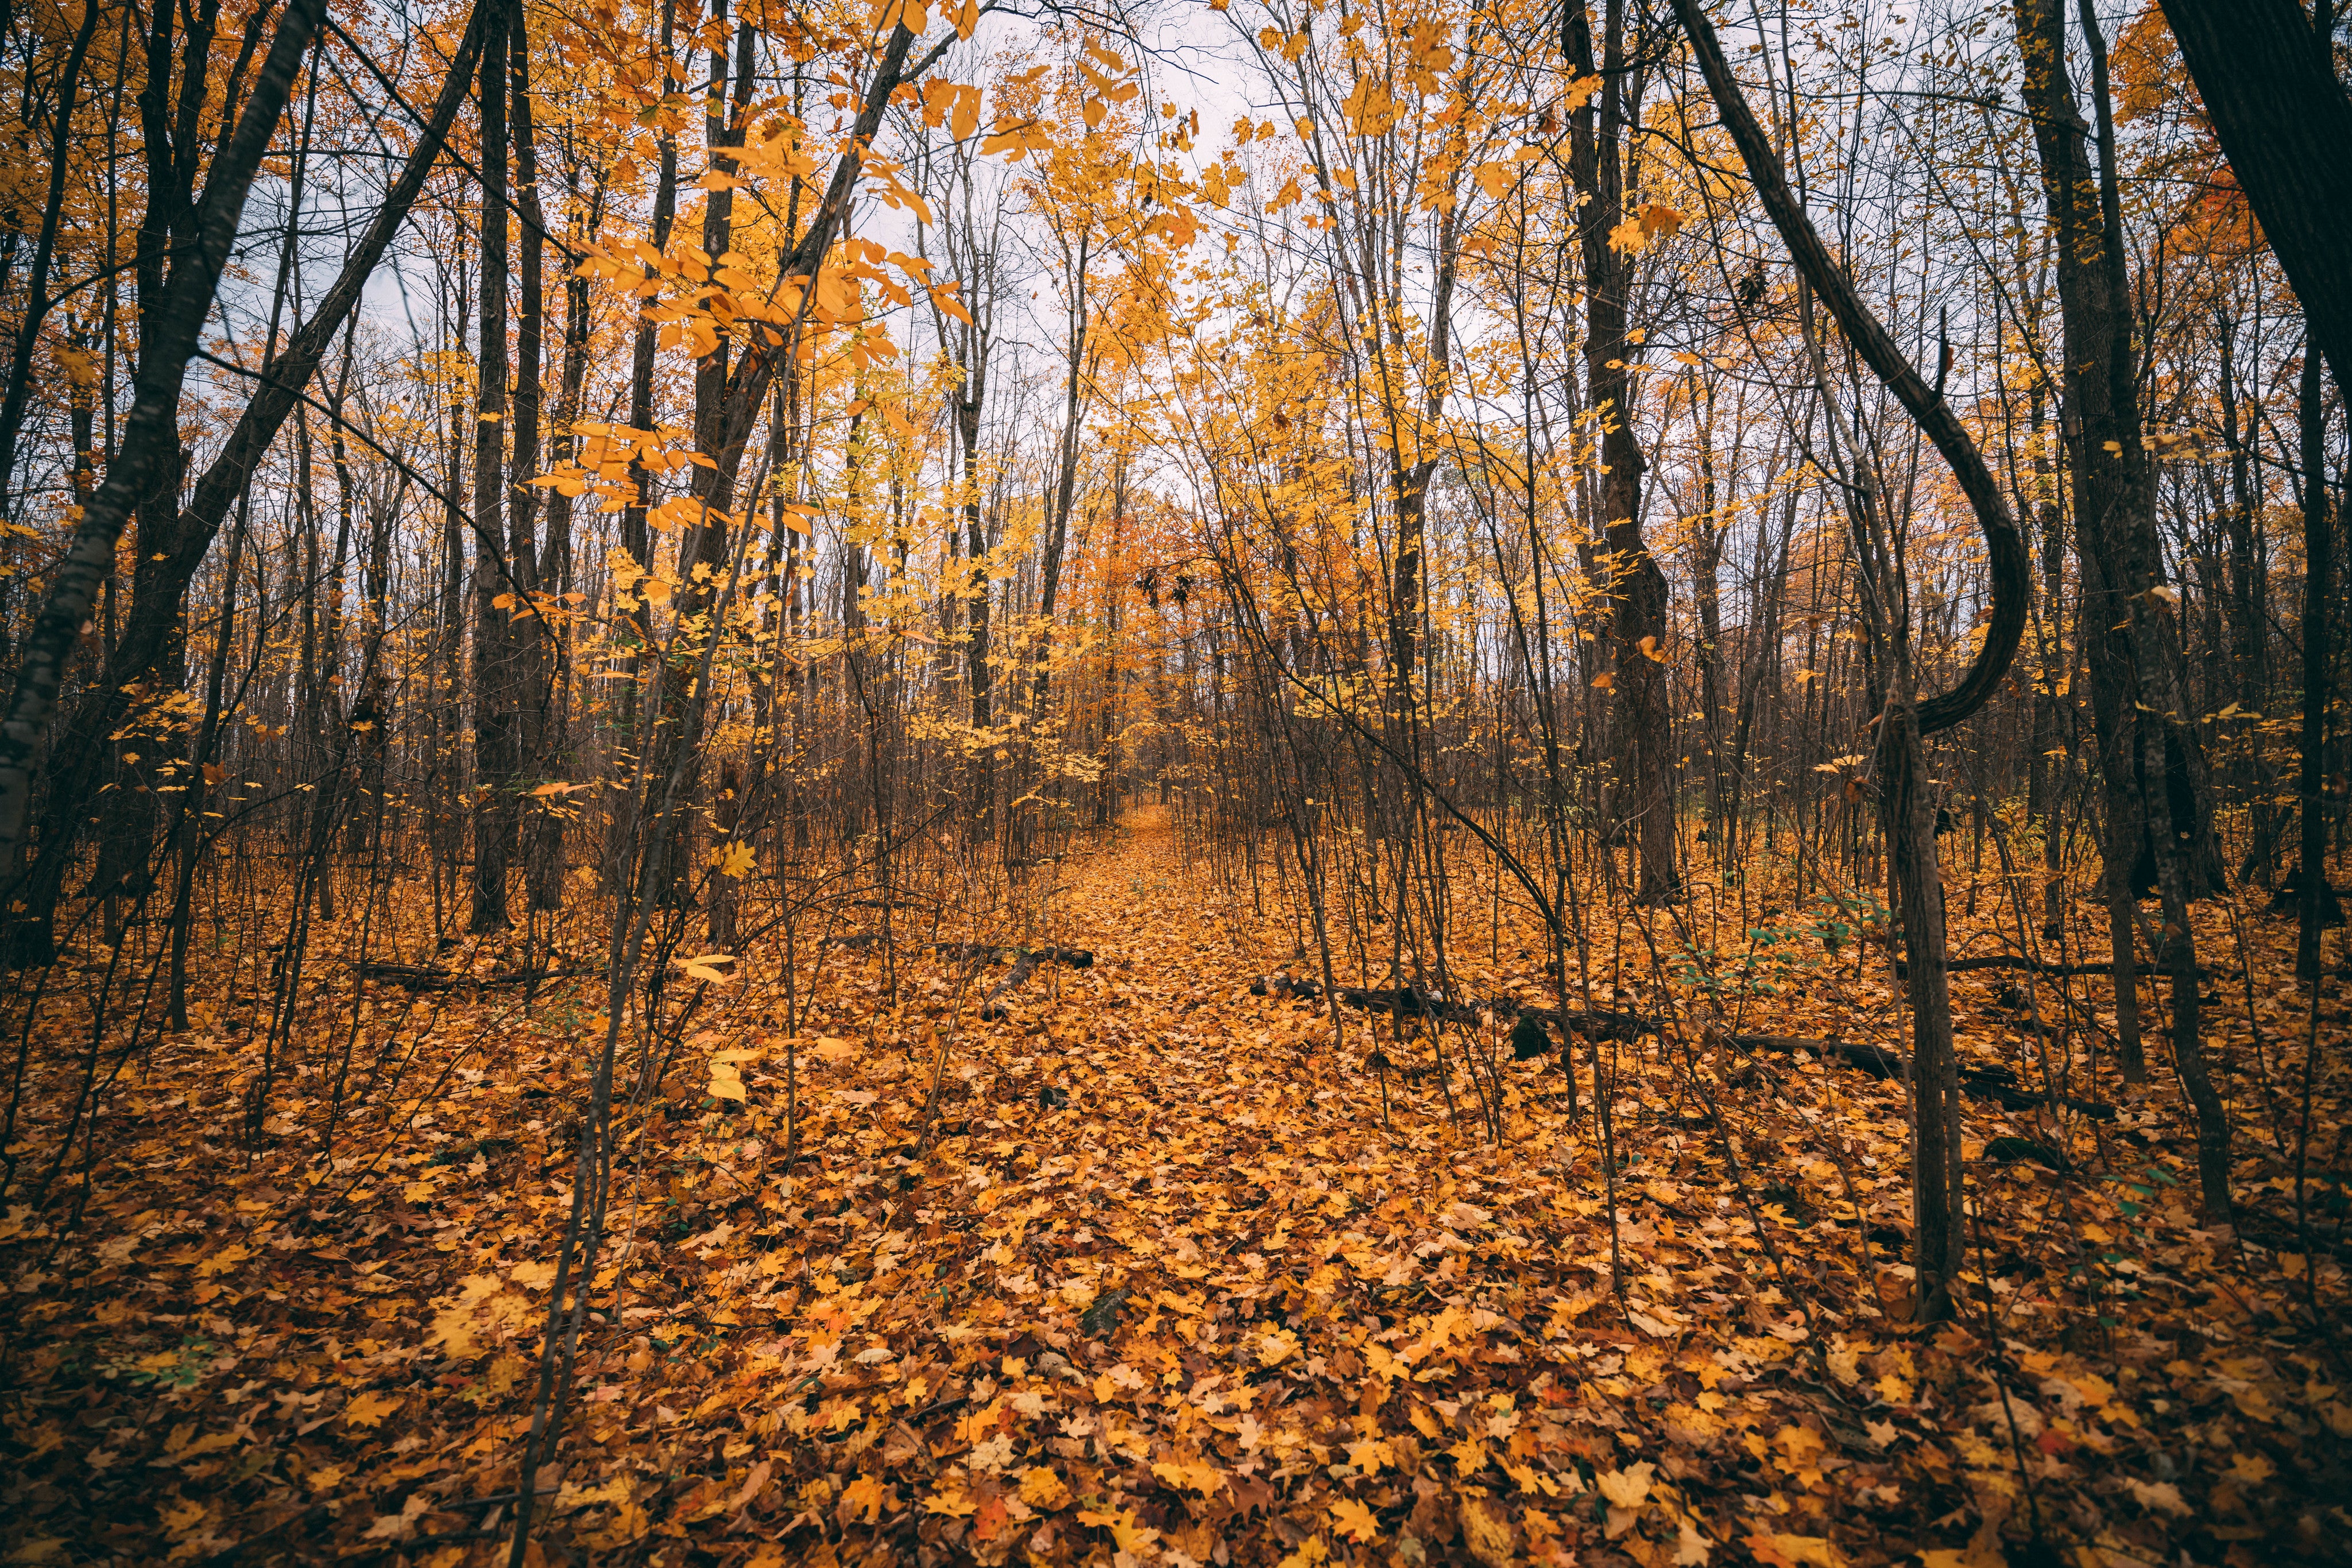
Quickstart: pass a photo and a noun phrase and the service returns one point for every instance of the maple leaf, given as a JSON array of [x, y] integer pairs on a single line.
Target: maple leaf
[[1197, 1478], [1628, 1491], [401, 1525], [369, 1409], [1487, 1529], [1353, 1519], [1795, 1550], [1042, 1487], [182, 1517], [863, 1500], [224, 1261]]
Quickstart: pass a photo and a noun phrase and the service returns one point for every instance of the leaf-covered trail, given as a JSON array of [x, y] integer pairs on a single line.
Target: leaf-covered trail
[[1164, 1285]]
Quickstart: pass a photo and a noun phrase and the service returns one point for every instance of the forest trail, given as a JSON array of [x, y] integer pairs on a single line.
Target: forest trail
[[559, 1001], [1173, 1280]]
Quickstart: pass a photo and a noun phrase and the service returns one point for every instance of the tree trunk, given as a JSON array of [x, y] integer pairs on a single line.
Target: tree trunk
[[2154, 804], [1935, 1138], [151, 441], [2268, 82], [496, 707], [636, 539], [1597, 134], [2319, 545]]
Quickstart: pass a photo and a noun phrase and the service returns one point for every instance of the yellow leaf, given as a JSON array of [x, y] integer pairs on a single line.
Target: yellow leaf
[[1310, 1552], [222, 1261], [735, 860], [1200, 1479], [1627, 1487], [1796, 1551], [369, 1409], [1124, 1531], [1487, 1529], [863, 1500], [1042, 1487], [1354, 1521]]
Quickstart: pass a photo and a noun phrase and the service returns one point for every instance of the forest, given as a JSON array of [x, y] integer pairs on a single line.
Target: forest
[[1177, 782]]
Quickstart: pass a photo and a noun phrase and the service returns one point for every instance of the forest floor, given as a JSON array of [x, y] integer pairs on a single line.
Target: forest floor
[[1177, 1278]]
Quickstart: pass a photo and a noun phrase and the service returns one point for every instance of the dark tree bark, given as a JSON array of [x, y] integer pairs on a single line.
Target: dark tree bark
[[1938, 1236], [539, 833], [1597, 135], [2046, 768], [150, 438], [2318, 546], [553, 759], [636, 539], [2154, 806], [497, 705], [174, 543], [2269, 85]]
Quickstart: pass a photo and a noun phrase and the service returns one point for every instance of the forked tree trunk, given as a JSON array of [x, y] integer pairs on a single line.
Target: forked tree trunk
[[1936, 1126], [151, 436]]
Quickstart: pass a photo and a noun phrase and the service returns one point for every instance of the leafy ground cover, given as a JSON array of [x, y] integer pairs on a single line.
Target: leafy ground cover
[[1175, 1276]]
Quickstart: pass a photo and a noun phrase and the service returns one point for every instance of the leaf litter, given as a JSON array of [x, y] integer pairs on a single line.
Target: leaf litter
[[1170, 1275]]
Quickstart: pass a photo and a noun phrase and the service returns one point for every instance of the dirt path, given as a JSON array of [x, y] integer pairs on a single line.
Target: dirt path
[[1163, 1284], [1169, 1281]]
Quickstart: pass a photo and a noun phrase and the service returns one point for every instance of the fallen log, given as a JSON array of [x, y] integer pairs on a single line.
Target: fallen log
[[2035, 967], [1413, 1001], [1627, 1027], [1024, 961], [1997, 1083], [994, 952], [1876, 1061], [434, 978]]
